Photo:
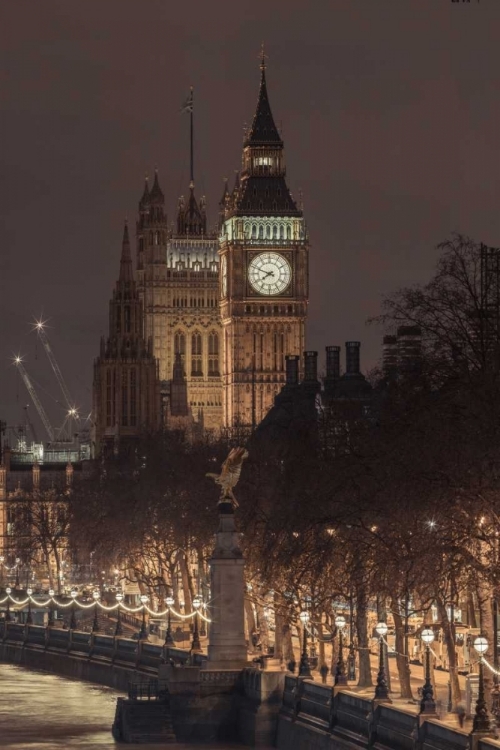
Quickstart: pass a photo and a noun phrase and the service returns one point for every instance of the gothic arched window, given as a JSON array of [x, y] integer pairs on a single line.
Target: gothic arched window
[[196, 355], [275, 231], [213, 354], [254, 231], [180, 343], [261, 233]]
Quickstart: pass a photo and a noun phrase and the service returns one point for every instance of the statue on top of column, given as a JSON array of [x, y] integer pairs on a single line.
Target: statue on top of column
[[230, 473]]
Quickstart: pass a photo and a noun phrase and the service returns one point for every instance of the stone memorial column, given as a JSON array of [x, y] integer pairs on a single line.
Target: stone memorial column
[[226, 633]]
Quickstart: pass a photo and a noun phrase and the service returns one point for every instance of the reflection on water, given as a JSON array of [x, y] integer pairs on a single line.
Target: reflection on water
[[39, 711]]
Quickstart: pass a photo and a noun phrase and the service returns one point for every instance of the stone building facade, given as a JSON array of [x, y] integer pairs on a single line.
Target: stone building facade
[[264, 274], [126, 388], [177, 278]]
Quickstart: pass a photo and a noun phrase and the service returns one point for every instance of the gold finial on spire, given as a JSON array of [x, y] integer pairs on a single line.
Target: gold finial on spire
[[263, 57]]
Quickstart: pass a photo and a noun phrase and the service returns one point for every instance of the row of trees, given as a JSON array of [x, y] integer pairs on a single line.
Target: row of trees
[[399, 509]]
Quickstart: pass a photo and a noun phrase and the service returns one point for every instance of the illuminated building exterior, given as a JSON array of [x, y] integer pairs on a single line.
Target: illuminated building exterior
[[264, 274], [126, 389], [177, 279], [219, 311]]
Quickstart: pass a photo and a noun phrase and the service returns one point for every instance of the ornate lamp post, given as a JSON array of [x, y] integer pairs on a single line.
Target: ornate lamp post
[[196, 645], [2, 560], [8, 616], [481, 721], [340, 673], [72, 619], [29, 618], [95, 625], [143, 635], [118, 629], [16, 582], [427, 704], [50, 621], [304, 668], [381, 689], [169, 641]]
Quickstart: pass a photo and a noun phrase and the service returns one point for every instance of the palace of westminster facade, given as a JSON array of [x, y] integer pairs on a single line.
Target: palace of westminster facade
[[199, 334]]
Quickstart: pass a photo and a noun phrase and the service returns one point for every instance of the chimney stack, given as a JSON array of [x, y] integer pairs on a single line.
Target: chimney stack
[[390, 356], [409, 347], [352, 357], [332, 362], [310, 367], [292, 369]]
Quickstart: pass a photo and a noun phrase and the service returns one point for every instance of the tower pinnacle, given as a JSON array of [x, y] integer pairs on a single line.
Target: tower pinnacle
[[126, 258]]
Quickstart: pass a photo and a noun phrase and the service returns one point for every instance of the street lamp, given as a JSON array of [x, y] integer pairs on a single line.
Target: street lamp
[[427, 704], [72, 619], [29, 618], [381, 689], [2, 560], [340, 673], [304, 668], [118, 629], [481, 722], [95, 625], [50, 621], [196, 645], [169, 641], [143, 636], [16, 583], [8, 616]]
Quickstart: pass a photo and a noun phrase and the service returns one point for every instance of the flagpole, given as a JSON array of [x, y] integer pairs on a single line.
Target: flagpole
[[191, 139]]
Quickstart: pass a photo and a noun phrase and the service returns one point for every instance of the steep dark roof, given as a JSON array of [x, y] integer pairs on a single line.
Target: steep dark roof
[[266, 195], [263, 130], [145, 200], [156, 194]]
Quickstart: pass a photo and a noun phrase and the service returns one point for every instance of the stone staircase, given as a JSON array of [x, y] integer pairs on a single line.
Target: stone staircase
[[143, 721]]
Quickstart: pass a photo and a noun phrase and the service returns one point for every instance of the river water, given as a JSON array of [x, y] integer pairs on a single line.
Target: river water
[[40, 711]]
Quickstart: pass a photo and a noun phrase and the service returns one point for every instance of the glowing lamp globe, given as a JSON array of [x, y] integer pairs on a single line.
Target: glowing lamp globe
[[480, 645], [29, 591], [119, 598], [340, 622], [197, 602], [304, 617], [73, 594], [51, 593], [8, 590], [381, 628], [96, 594], [427, 636], [169, 601], [144, 598]]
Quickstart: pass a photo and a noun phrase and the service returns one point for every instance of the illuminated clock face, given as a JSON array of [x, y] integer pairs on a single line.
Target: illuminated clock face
[[269, 273], [223, 276]]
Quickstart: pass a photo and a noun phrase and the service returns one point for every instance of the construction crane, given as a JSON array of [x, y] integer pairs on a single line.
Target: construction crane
[[38, 405], [39, 326]]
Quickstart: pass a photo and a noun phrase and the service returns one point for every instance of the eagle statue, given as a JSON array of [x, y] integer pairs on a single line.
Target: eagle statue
[[230, 473]]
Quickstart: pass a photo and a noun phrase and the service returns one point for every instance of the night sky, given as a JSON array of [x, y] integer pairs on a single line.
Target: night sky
[[390, 113]]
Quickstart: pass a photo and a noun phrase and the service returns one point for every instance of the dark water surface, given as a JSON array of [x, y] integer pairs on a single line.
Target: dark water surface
[[40, 711]]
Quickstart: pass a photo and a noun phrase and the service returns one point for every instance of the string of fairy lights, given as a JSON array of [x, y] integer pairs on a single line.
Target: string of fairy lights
[[52, 601]]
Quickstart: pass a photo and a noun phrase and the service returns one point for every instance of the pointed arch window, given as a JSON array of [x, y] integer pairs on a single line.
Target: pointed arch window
[[196, 355], [213, 354], [261, 232], [180, 344]]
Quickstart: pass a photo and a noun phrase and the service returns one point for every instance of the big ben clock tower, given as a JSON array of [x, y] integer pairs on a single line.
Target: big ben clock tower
[[263, 274]]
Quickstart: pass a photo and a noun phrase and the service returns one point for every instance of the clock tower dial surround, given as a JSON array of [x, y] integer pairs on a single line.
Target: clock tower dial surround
[[264, 250]]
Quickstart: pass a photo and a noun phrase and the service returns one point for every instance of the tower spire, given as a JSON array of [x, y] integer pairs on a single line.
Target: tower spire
[[263, 130], [126, 258]]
